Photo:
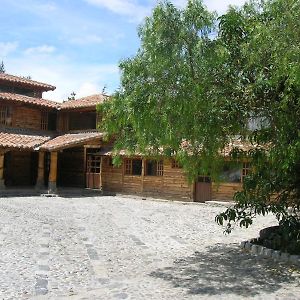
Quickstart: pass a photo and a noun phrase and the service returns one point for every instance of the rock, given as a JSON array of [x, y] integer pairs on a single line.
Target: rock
[[248, 246], [294, 259], [284, 256], [276, 255], [243, 244], [265, 233], [268, 252], [254, 249]]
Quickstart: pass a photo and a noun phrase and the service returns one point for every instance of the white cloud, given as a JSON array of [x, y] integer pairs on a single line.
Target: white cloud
[[222, 5], [129, 8], [213, 5], [87, 88], [180, 3], [43, 49], [84, 80], [7, 48]]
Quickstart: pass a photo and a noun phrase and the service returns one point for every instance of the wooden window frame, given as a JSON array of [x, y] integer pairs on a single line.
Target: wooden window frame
[[93, 164], [128, 167], [5, 115], [44, 120], [246, 170], [175, 164], [159, 168]]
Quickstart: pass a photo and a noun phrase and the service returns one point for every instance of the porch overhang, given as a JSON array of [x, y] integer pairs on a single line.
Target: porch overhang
[[20, 139], [70, 140]]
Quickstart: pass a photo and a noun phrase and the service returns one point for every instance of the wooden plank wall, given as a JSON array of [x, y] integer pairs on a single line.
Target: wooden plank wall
[[25, 117], [225, 191], [62, 121], [173, 185], [112, 177], [21, 168]]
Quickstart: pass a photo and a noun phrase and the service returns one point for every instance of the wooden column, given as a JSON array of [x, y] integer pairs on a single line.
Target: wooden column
[[101, 162], [53, 172], [123, 172], [2, 185], [143, 175], [40, 175]]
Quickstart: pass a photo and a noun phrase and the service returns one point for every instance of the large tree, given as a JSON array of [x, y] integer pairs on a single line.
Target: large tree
[[198, 81]]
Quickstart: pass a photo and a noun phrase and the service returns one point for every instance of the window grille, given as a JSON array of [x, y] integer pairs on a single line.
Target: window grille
[[160, 168], [93, 164], [133, 167], [175, 164], [44, 120], [154, 168], [128, 166], [5, 115], [246, 169]]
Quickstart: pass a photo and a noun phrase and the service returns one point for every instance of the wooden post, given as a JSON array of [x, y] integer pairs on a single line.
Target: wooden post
[[2, 185], [84, 168], [101, 162], [123, 172], [40, 175], [53, 172], [142, 175]]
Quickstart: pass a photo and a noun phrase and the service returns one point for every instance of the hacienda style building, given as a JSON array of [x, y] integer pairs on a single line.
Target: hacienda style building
[[46, 144]]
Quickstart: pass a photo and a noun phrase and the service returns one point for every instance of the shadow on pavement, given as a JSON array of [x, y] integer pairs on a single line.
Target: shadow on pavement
[[225, 269], [61, 192]]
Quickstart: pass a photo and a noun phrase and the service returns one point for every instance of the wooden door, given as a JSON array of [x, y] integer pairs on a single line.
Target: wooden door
[[203, 189], [93, 171]]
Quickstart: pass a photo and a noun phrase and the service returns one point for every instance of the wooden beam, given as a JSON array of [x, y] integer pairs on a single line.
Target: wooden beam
[[143, 175], [53, 172], [84, 167], [2, 185], [101, 163], [123, 172], [40, 175]]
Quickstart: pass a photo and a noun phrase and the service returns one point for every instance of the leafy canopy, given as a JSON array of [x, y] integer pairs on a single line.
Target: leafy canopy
[[196, 82]]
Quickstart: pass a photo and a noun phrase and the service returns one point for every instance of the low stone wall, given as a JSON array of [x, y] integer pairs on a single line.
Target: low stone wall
[[277, 255]]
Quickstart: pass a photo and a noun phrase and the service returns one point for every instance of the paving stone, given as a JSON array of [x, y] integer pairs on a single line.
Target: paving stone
[[123, 248]]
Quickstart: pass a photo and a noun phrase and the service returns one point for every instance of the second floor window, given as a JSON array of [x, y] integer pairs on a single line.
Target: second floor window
[[5, 115], [82, 120], [44, 120], [48, 120]]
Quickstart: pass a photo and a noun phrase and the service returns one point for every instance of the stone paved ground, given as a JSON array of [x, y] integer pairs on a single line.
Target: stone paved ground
[[125, 248]]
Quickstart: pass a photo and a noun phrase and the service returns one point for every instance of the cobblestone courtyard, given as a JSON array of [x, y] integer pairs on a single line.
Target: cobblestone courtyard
[[124, 248]]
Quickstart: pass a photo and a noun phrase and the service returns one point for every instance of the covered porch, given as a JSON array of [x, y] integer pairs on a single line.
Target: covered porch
[[29, 160]]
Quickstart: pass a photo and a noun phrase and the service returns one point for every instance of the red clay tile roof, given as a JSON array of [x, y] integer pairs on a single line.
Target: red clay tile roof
[[86, 102], [21, 139], [27, 82], [29, 100], [70, 140]]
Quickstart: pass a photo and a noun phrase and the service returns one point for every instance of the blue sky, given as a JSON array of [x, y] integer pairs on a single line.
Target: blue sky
[[75, 45]]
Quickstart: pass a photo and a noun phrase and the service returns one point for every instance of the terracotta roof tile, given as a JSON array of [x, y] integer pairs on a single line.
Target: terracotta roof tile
[[86, 102], [29, 100], [21, 139], [237, 144], [25, 81], [70, 140]]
